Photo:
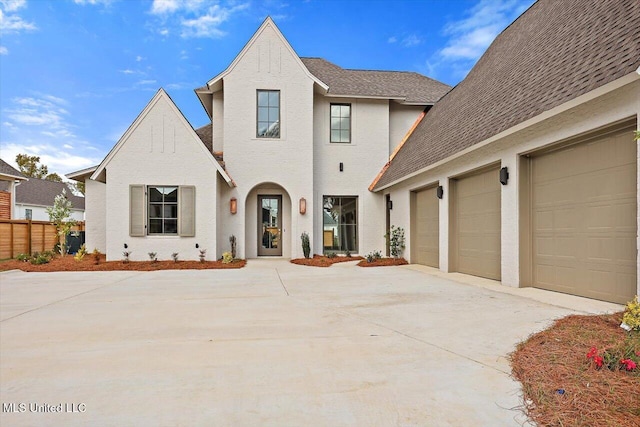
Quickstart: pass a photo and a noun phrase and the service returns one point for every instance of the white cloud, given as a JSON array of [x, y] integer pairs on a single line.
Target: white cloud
[[392, 39], [93, 2], [193, 18], [147, 82], [470, 37], [139, 58], [12, 23], [40, 125], [411, 40], [12, 5], [4, 50]]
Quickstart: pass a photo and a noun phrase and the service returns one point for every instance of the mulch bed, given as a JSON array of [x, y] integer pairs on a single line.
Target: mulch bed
[[562, 387], [383, 262], [323, 261], [67, 263]]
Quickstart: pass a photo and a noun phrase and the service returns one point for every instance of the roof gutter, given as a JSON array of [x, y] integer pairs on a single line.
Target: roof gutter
[[602, 90]]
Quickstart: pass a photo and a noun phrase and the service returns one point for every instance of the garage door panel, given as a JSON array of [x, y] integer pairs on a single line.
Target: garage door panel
[[477, 224], [584, 214], [427, 229]]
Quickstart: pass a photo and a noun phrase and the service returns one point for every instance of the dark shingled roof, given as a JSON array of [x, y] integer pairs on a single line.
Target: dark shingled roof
[[206, 136], [42, 192], [409, 86], [554, 52], [7, 169]]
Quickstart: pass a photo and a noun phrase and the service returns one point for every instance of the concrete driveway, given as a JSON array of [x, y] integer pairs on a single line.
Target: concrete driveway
[[273, 344]]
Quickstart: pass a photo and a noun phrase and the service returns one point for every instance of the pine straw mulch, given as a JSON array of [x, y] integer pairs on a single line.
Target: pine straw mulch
[[68, 263], [323, 261], [383, 262], [563, 388]]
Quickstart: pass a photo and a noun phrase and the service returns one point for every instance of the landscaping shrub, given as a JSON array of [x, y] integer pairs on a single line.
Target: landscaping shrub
[[306, 246], [631, 316], [227, 257], [81, 253], [23, 257], [372, 256], [233, 242], [396, 241], [174, 256]]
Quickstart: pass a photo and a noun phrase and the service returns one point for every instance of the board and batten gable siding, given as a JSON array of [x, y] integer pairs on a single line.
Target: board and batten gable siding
[[268, 63], [361, 159], [160, 150], [601, 111]]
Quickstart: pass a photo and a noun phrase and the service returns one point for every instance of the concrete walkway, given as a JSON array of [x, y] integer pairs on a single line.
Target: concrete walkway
[[273, 344]]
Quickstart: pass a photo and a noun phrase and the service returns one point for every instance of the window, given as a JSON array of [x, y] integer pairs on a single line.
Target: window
[[28, 213], [340, 224], [162, 210], [340, 122], [268, 114]]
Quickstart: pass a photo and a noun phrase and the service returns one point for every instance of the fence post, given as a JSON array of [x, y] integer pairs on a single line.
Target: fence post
[[11, 233], [29, 234]]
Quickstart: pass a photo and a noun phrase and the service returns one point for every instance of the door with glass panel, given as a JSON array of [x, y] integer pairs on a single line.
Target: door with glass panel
[[269, 225]]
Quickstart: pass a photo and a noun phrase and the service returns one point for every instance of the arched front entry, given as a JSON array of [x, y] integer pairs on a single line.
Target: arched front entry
[[268, 221]]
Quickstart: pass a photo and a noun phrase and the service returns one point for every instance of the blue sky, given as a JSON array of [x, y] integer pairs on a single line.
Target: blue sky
[[74, 74]]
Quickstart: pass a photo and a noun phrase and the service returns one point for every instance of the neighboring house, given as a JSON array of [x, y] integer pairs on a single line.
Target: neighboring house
[[526, 172], [290, 139], [10, 178], [34, 196], [533, 155]]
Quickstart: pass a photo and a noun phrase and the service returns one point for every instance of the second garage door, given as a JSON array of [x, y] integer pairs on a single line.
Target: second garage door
[[476, 224], [425, 240], [583, 218]]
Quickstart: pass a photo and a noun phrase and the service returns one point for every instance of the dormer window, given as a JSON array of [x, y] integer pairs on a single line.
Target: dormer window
[[268, 123]]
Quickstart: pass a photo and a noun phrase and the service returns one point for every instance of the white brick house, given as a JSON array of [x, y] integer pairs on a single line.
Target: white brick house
[[293, 145]]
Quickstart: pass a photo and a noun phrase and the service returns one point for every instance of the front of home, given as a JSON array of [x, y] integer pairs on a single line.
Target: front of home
[[292, 147], [526, 172]]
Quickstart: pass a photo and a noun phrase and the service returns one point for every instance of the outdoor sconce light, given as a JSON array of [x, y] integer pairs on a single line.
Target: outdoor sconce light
[[197, 246], [439, 191], [303, 206], [390, 204], [126, 246], [504, 175], [341, 166], [233, 206]]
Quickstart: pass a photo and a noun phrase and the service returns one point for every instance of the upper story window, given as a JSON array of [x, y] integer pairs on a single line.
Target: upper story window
[[340, 122], [268, 125]]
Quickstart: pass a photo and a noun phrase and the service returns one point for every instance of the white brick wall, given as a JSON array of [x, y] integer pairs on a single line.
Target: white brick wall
[[96, 215]]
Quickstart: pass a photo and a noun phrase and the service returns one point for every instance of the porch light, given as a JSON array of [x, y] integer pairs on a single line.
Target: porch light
[[390, 204], [233, 206], [303, 206], [504, 176], [439, 191]]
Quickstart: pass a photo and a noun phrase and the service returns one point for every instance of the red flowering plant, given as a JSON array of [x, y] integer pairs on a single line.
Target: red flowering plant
[[613, 360]]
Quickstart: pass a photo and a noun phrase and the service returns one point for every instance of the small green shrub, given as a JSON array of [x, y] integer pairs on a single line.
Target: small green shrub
[[631, 316], [233, 243], [372, 256], [126, 255], [347, 253], [23, 257], [306, 245], [330, 255], [396, 241], [81, 253], [174, 256], [40, 258], [227, 258], [96, 256], [203, 255], [153, 257]]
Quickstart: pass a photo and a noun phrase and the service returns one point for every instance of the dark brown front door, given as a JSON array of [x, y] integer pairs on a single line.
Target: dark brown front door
[[269, 225]]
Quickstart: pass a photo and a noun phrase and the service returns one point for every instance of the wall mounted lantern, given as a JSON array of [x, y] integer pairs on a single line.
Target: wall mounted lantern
[[504, 175], [341, 167], [303, 206], [126, 246], [389, 204], [233, 206], [440, 192]]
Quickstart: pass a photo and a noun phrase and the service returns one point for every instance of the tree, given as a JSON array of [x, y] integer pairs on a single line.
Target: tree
[[60, 216], [29, 166], [76, 187]]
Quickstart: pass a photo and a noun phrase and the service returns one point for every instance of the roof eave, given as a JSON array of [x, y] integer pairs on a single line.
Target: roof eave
[[82, 174]]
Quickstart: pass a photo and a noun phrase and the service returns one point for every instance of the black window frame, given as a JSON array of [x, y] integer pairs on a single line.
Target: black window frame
[[331, 117], [269, 108], [340, 226], [162, 205]]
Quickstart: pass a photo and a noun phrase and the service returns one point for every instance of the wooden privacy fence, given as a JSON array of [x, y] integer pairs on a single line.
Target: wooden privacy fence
[[22, 236]]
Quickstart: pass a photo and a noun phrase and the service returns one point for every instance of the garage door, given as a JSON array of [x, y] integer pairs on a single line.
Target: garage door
[[584, 218], [425, 240], [476, 210]]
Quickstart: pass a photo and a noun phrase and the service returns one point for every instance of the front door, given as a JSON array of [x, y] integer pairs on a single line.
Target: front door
[[269, 225]]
